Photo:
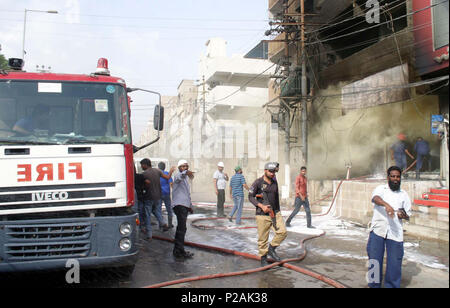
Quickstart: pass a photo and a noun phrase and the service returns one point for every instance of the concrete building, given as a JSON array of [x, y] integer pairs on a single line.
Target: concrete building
[[219, 117], [233, 126], [365, 81]]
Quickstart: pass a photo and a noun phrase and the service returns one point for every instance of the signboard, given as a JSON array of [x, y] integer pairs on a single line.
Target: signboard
[[436, 120]]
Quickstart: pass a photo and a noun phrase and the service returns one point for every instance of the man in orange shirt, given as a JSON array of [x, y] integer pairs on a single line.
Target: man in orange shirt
[[301, 198]]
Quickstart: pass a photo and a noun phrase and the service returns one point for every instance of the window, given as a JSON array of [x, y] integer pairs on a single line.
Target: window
[[440, 23]]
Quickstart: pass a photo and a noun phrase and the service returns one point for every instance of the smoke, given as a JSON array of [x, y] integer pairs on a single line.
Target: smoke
[[362, 138]]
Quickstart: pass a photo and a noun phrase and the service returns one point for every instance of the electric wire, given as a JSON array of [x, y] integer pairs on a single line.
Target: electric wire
[[361, 22], [346, 20], [377, 25]]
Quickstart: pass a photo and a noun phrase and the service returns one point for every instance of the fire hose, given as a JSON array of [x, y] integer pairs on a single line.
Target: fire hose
[[284, 263]]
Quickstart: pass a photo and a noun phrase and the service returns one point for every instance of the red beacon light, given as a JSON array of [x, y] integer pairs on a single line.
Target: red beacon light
[[102, 67]]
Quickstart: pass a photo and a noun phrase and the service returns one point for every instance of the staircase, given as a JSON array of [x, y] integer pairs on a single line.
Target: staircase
[[431, 215], [436, 198]]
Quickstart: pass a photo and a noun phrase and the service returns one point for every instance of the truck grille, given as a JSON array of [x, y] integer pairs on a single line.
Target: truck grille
[[47, 241], [23, 252], [50, 231]]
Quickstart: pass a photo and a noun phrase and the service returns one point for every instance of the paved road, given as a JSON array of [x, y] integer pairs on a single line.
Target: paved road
[[340, 254]]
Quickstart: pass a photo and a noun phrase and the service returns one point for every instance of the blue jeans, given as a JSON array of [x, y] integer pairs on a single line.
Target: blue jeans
[[238, 206], [298, 204], [141, 211], [157, 211], [168, 205], [400, 161], [375, 250], [420, 158], [151, 206]]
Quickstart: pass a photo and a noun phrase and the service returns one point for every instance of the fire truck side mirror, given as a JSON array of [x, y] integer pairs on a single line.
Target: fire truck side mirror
[[158, 118]]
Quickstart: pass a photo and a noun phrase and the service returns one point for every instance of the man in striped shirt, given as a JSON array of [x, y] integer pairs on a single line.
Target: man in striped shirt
[[237, 185]]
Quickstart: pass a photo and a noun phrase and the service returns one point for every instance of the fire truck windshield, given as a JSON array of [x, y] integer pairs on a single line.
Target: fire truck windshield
[[34, 112]]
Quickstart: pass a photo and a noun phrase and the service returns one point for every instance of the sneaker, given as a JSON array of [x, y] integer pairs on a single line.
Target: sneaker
[[264, 261], [230, 218], [273, 254], [188, 255], [178, 255], [288, 224], [165, 228], [182, 255], [311, 227]]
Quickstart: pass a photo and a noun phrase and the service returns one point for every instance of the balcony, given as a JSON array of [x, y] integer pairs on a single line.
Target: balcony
[[238, 71], [248, 97], [275, 6]]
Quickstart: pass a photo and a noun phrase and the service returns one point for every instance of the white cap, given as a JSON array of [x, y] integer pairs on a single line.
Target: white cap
[[221, 164], [182, 162]]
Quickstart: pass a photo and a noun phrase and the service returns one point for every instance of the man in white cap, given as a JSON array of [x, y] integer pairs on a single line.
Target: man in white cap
[[182, 206], [220, 182]]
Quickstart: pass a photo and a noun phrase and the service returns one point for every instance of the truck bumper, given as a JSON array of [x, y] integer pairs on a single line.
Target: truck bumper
[[57, 244]]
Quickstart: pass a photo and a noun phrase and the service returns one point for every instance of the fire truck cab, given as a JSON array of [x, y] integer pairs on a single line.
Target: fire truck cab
[[67, 172]]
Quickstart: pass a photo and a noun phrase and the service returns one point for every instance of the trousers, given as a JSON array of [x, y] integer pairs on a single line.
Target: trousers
[[182, 213], [298, 204], [376, 247], [264, 224], [220, 202]]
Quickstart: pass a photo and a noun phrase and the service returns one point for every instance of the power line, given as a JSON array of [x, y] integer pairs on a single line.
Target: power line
[[363, 21], [138, 26], [374, 40], [159, 18], [377, 25]]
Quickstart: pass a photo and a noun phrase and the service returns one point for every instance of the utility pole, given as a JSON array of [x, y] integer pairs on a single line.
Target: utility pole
[[204, 101], [287, 119], [204, 107], [304, 87]]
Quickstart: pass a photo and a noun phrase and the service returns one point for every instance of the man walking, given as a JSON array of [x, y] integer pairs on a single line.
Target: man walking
[[391, 206], [422, 149], [181, 199], [301, 198], [165, 194], [264, 195], [153, 188], [237, 185], [220, 183]]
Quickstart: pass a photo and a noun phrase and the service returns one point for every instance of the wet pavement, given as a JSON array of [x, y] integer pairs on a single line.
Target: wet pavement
[[339, 254]]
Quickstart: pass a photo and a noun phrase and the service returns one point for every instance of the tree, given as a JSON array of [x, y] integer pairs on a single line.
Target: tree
[[3, 62]]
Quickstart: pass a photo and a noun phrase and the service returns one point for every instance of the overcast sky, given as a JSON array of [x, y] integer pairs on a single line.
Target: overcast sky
[[151, 44]]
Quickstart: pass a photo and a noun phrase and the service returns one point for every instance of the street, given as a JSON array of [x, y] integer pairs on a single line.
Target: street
[[339, 254]]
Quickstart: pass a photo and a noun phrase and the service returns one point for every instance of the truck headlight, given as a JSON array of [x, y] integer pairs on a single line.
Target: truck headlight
[[125, 244], [125, 229]]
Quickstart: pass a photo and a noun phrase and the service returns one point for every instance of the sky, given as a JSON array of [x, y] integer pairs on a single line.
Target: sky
[[151, 44]]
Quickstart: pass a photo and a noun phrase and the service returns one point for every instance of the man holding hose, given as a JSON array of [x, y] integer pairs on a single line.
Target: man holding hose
[[264, 196], [391, 206]]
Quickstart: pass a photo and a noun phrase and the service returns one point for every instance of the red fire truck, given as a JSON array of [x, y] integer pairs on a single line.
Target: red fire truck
[[66, 170]]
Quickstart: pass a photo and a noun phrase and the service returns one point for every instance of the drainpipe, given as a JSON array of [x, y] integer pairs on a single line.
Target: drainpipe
[[304, 89]]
